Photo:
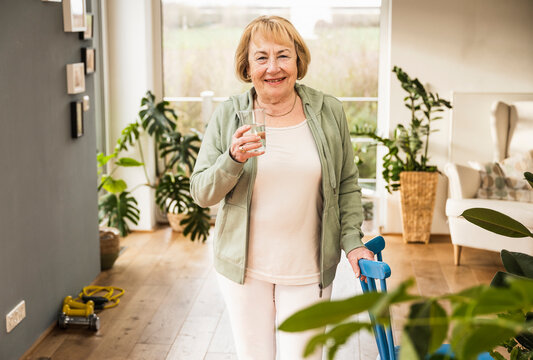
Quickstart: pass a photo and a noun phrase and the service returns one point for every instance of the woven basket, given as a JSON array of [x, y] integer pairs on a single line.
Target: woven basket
[[418, 190], [109, 247], [174, 221]]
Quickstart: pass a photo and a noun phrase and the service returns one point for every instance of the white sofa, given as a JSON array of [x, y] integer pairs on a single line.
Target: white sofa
[[512, 133]]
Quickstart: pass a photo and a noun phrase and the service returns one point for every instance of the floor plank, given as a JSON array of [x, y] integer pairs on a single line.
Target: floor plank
[[121, 337], [172, 308], [194, 338], [149, 352], [170, 316], [222, 342]]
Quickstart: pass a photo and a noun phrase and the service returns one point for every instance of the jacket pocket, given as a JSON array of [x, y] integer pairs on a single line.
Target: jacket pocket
[[230, 240], [332, 237]]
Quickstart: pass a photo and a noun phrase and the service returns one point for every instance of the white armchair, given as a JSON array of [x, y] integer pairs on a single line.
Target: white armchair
[[508, 122]]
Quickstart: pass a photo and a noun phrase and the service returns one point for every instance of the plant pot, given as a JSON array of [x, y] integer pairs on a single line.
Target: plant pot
[[109, 247], [174, 221], [418, 190]]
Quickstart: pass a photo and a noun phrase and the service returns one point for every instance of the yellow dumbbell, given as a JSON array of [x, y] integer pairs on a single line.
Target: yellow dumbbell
[[75, 308]]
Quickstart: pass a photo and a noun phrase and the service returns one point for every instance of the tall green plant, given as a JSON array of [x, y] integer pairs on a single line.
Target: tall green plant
[[177, 153], [408, 146]]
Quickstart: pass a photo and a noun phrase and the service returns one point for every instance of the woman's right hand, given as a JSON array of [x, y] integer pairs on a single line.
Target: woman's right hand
[[242, 144]]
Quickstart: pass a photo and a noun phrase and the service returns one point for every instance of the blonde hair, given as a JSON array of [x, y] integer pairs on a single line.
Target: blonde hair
[[277, 29]]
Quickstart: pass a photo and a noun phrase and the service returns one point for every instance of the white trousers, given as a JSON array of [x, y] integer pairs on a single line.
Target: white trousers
[[257, 308]]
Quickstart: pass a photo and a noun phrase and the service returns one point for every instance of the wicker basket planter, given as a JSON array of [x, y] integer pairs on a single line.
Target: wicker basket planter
[[174, 221], [109, 247], [418, 190]]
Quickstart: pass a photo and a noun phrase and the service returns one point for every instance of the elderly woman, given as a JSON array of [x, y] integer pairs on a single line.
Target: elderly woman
[[285, 213]]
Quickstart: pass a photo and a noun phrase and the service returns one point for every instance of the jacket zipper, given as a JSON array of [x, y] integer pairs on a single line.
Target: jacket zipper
[[326, 204]]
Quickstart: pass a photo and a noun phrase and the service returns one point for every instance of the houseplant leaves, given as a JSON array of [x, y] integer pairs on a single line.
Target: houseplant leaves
[[116, 209], [496, 222]]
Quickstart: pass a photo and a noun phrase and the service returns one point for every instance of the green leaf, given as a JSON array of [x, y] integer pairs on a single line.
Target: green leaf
[[500, 279], [117, 209], [408, 350], [196, 223], [496, 222], [157, 118], [523, 288], [496, 355], [497, 300], [517, 263], [439, 326], [481, 338], [526, 340], [114, 186], [337, 336], [469, 293], [102, 159], [179, 150], [128, 136], [398, 295], [529, 178], [329, 312], [173, 193], [427, 326], [333, 312], [128, 162]]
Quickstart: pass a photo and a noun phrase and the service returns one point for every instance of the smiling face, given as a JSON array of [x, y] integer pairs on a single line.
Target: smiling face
[[272, 69]]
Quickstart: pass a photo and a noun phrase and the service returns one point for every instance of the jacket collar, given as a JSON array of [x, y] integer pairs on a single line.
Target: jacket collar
[[310, 97]]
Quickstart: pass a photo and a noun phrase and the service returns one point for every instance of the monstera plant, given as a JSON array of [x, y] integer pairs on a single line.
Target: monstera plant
[[176, 154]]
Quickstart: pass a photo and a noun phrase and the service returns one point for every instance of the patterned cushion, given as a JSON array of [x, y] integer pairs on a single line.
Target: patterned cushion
[[515, 166], [496, 185]]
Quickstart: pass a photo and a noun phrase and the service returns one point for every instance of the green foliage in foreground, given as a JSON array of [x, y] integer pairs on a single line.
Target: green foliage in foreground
[[475, 319], [481, 318]]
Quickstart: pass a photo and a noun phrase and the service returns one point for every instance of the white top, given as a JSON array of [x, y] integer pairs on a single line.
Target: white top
[[286, 208]]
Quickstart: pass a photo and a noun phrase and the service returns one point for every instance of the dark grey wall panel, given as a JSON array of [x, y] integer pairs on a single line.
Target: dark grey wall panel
[[48, 203]]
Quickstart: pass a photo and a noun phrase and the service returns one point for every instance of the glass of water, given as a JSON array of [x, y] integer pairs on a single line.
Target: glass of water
[[255, 118]]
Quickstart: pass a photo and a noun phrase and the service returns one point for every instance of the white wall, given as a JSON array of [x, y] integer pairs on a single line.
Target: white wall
[[457, 45], [130, 49]]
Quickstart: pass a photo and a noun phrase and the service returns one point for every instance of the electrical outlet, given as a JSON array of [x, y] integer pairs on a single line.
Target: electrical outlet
[[15, 316]]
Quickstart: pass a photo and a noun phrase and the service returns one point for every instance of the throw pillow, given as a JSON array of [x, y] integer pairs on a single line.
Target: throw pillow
[[514, 168], [493, 184], [511, 185]]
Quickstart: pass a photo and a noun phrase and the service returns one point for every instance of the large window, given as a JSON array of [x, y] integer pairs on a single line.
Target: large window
[[200, 38]]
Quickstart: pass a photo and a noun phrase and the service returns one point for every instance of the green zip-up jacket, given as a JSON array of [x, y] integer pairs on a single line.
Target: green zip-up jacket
[[217, 178]]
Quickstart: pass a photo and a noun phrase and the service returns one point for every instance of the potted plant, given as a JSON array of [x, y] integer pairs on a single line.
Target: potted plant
[[115, 206], [405, 166], [176, 155]]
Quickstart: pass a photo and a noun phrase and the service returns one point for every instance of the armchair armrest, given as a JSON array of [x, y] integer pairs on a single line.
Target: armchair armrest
[[464, 181]]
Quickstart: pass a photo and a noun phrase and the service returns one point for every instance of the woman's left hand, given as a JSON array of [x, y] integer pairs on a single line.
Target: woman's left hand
[[357, 254]]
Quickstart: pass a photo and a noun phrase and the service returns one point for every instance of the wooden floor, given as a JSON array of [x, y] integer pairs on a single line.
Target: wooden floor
[[172, 308]]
